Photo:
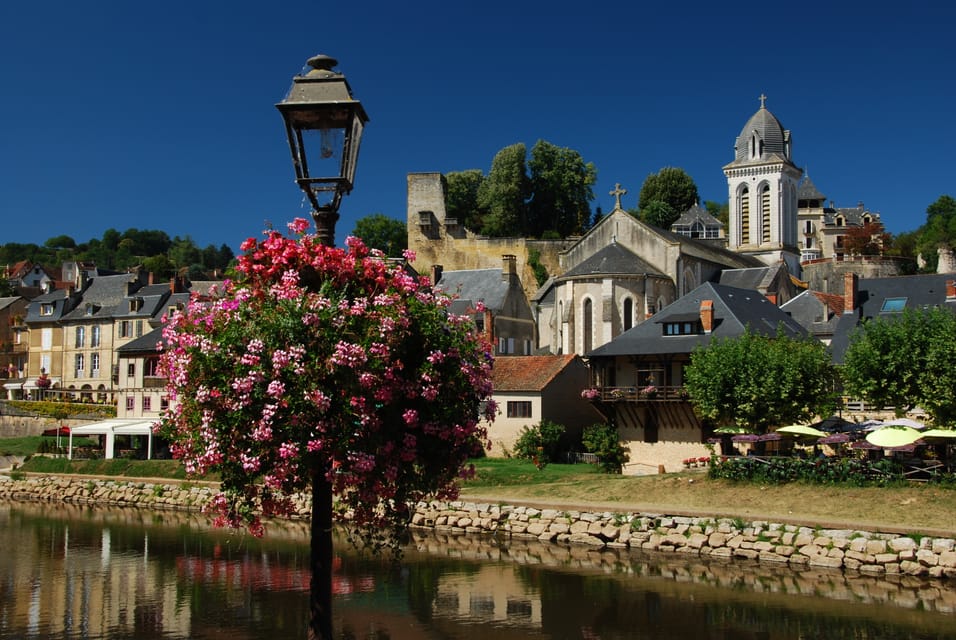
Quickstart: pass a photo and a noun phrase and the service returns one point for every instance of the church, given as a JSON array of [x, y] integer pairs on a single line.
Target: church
[[624, 271]]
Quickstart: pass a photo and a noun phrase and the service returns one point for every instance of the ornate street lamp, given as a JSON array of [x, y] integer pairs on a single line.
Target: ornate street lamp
[[324, 124]]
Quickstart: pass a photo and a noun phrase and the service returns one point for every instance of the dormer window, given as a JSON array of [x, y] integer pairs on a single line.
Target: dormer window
[[681, 328], [839, 221], [135, 304], [89, 309], [46, 309]]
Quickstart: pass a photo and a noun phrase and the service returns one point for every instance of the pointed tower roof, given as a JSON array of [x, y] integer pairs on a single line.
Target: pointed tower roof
[[762, 139], [808, 191]]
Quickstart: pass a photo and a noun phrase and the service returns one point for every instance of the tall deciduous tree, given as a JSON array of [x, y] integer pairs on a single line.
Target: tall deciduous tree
[[378, 231], [504, 193], [868, 239], [461, 198], [939, 230], [325, 369], [905, 362], [561, 186], [671, 185], [757, 381]]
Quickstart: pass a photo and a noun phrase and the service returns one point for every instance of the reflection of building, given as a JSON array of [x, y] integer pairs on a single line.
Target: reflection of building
[[492, 593]]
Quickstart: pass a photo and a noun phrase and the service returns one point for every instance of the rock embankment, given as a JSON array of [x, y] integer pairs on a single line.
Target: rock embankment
[[866, 552]]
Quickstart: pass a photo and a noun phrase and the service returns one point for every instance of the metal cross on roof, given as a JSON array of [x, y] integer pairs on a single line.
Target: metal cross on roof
[[617, 192], [763, 99]]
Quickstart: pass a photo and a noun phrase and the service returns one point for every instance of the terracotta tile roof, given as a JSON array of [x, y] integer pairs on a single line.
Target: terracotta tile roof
[[833, 301], [528, 373]]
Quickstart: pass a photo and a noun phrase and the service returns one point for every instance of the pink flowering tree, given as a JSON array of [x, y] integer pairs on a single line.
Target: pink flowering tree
[[331, 370]]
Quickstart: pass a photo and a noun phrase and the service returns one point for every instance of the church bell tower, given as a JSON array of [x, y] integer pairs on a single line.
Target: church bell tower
[[762, 184]]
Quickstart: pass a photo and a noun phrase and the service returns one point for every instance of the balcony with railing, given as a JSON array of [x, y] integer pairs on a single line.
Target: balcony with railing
[[649, 393]]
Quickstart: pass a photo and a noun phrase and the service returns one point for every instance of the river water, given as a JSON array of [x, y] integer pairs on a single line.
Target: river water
[[83, 572]]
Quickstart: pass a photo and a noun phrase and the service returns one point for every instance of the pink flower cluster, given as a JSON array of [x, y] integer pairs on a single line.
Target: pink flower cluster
[[330, 361]]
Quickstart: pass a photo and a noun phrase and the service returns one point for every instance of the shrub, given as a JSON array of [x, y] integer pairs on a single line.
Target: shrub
[[539, 443], [603, 441]]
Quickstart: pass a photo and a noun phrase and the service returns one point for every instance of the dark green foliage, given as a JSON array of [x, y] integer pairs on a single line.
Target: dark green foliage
[[670, 185], [378, 231], [540, 443], [905, 361], [504, 194], [604, 441], [534, 261], [720, 210], [659, 214], [828, 471], [461, 198], [756, 381], [939, 230], [561, 190]]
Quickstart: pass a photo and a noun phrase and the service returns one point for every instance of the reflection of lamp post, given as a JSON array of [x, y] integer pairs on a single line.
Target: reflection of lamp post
[[324, 124]]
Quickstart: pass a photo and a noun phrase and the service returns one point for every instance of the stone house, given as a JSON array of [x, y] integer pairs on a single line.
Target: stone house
[[14, 337], [530, 389], [637, 379]]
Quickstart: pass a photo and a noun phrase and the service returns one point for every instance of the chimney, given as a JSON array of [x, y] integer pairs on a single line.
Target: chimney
[[436, 273], [508, 267], [490, 328], [849, 292], [707, 315], [152, 278], [950, 290]]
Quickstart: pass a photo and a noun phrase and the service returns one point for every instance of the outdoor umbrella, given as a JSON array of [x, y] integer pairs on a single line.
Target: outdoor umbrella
[[834, 438], [800, 431], [893, 436], [863, 444], [731, 429], [904, 422], [745, 437], [940, 435], [769, 437]]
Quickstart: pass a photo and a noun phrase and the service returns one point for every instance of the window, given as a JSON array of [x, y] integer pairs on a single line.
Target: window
[[126, 329], [745, 216], [164, 403], [147, 403], [628, 313], [131, 369], [765, 214], [46, 339], [519, 408], [46, 309], [95, 365], [588, 325], [95, 337], [139, 328], [893, 305], [135, 304], [151, 367], [80, 337], [130, 403], [681, 328], [80, 363]]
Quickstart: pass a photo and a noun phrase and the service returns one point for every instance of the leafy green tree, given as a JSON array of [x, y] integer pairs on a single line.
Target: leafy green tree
[[905, 362], [660, 214], [757, 381], [540, 443], [60, 242], [561, 186], [378, 231], [160, 266], [671, 185], [603, 440], [720, 210], [504, 193], [461, 198], [939, 230]]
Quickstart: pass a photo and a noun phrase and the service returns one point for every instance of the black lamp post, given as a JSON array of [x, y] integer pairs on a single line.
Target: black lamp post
[[324, 124]]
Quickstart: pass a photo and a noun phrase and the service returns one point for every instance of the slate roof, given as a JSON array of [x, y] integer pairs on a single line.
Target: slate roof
[[806, 190], [694, 214], [817, 312], [914, 292], [852, 216], [757, 278], [6, 302], [59, 298], [734, 310], [770, 131], [473, 285], [146, 343], [528, 373], [105, 293], [611, 260]]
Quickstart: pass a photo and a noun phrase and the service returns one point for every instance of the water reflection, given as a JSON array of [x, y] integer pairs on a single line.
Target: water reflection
[[78, 572]]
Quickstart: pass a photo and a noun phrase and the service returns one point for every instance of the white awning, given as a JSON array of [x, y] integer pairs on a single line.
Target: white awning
[[113, 428]]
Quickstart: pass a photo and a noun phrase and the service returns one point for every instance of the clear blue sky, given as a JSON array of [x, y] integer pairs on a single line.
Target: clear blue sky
[[119, 114]]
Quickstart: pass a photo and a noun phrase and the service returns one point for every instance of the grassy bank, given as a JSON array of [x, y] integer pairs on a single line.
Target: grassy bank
[[912, 507]]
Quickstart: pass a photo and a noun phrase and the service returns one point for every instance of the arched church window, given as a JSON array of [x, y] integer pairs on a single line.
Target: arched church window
[[744, 214], [588, 325], [765, 214], [697, 230]]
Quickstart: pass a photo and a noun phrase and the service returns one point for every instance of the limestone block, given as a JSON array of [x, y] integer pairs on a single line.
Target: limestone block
[[595, 528], [696, 540], [942, 545], [536, 528], [610, 532], [769, 556], [927, 558], [581, 526], [902, 544], [559, 527], [886, 558], [826, 561], [745, 553], [875, 547], [784, 550], [717, 539], [948, 559]]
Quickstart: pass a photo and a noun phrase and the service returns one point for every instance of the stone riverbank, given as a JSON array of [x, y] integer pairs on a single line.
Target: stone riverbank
[[865, 552]]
